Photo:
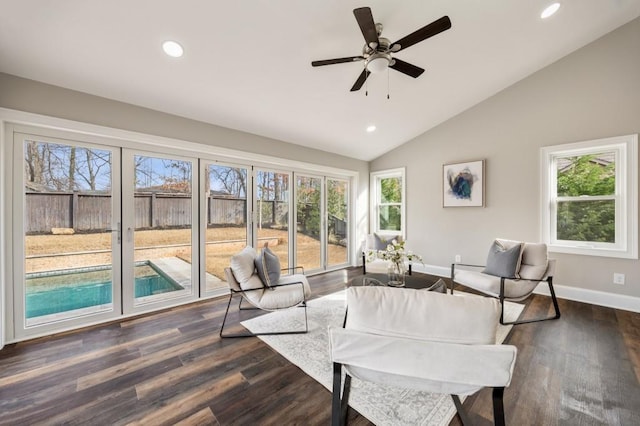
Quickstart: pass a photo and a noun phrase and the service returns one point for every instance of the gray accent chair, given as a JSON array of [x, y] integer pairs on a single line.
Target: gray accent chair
[[420, 340], [532, 268]]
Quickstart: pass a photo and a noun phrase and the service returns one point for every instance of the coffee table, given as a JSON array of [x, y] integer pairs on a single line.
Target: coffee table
[[417, 281]]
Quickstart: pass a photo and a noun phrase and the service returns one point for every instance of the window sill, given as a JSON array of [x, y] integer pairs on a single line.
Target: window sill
[[594, 251]]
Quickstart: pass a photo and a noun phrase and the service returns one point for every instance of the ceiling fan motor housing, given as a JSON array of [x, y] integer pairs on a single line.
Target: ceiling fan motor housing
[[377, 56]]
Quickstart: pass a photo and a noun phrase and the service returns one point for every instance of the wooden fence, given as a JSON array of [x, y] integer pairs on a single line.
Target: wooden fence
[[82, 212], [88, 212]]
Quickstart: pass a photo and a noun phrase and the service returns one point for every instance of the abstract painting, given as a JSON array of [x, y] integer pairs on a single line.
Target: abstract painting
[[463, 184]]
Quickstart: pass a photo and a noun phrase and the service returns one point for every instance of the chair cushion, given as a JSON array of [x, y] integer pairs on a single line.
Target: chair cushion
[[503, 261], [242, 264], [534, 261], [419, 315], [252, 283], [429, 366], [268, 266], [490, 285], [379, 266], [285, 296], [233, 284]]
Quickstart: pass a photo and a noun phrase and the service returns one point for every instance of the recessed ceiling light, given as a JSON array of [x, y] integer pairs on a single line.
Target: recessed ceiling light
[[172, 48], [550, 10], [371, 128]]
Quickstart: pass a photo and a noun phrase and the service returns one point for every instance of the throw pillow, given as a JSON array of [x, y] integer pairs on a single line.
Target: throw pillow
[[268, 266], [381, 243], [507, 244], [242, 264], [503, 262]]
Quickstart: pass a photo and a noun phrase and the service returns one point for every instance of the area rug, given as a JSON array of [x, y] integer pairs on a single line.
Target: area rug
[[382, 405]]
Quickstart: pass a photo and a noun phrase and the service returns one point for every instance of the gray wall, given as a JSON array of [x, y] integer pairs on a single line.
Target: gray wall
[[592, 93], [36, 97], [28, 95]]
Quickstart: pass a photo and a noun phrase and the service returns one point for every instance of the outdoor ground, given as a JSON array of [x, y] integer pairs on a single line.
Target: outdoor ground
[[55, 252]]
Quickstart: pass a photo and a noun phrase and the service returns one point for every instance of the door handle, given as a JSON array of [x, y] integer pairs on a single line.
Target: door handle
[[119, 231]]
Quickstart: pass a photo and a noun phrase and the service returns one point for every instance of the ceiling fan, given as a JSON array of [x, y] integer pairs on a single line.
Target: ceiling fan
[[377, 50]]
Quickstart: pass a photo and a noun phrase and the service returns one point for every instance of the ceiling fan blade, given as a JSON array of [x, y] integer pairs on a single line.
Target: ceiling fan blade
[[367, 26], [407, 68], [360, 81], [336, 61], [436, 27]]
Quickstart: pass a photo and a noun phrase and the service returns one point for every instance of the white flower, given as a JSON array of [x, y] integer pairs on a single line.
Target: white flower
[[394, 253]]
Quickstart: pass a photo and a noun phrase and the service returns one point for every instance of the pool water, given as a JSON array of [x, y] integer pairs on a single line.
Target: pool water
[[67, 292]]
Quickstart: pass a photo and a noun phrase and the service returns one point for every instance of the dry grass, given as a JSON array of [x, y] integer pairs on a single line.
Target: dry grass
[[55, 252]]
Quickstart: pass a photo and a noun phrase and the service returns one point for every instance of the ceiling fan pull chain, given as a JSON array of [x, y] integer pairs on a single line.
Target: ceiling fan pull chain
[[366, 82], [387, 83]]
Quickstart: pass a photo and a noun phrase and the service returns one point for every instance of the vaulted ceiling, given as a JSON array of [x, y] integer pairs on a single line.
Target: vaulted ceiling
[[247, 63]]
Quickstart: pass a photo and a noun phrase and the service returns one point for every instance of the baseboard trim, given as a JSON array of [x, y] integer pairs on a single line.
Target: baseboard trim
[[600, 298]]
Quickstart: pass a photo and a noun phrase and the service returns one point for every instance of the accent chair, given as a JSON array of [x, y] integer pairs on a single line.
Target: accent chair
[[420, 340], [257, 279], [512, 272]]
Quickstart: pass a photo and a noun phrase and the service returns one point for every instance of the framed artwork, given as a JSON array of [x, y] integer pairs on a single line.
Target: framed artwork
[[463, 184]]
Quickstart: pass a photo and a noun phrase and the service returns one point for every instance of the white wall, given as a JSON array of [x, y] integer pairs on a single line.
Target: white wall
[[592, 93]]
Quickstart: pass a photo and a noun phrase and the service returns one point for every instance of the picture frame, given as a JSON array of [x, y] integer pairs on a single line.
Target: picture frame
[[463, 184]]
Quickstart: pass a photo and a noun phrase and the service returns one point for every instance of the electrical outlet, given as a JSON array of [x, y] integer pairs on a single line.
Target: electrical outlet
[[458, 258], [618, 279]]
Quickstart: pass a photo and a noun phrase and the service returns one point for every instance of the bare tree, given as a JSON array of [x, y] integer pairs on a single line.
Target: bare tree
[[34, 163], [231, 180], [95, 165]]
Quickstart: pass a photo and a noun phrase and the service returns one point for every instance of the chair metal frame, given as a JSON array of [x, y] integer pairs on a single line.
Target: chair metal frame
[[502, 297], [242, 293]]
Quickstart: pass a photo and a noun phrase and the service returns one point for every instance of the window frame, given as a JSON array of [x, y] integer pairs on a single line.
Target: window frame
[[626, 197], [376, 202]]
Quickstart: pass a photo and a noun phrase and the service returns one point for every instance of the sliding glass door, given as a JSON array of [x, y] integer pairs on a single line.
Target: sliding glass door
[[272, 213], [225, 218], [322, 222], [68, 212], [159, 240], [100, 231], [309, 222], [337, 222]]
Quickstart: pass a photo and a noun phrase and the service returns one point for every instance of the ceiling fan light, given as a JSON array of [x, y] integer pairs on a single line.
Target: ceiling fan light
[[377, 64]]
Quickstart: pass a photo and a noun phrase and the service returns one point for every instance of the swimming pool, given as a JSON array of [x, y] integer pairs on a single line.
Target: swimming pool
[[72, 290]]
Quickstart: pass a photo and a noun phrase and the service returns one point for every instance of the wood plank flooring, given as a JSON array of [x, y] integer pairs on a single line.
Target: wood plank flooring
[[172, 368]]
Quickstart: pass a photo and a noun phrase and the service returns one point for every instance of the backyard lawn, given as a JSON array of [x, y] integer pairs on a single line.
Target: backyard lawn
[[56, 252]]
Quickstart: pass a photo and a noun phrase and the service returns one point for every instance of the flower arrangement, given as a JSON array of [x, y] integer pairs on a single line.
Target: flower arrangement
[[395, 254]]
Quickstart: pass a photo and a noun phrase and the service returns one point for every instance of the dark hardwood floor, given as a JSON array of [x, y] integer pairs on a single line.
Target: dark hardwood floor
[[172, 368]]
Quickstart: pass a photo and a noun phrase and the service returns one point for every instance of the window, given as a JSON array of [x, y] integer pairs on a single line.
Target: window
[[387, 201], [589, 197]]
